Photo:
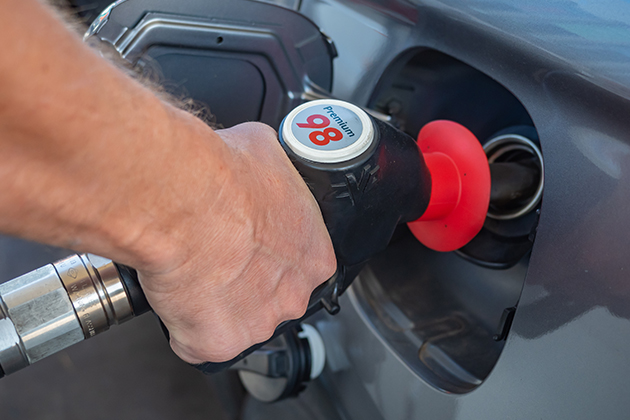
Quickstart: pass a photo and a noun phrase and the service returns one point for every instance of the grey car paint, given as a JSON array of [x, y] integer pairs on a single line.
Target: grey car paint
[[567, 62]]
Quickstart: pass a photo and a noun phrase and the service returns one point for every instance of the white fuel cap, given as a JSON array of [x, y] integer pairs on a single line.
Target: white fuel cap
[[328, 131]]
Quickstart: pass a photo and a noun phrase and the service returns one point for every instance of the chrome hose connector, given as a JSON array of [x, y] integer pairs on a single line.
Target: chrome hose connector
[[58, 305]]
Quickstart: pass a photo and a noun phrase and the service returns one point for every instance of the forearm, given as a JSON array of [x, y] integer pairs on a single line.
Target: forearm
[[87, 154]]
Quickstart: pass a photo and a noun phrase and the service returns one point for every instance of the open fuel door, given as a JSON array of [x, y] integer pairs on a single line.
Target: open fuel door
[[244, 60]]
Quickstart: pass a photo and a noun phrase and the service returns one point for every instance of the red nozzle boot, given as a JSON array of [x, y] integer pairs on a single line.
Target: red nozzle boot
[[460, 186]]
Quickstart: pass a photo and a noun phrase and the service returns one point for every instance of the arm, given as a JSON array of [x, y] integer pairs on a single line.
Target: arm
[[225, 235]]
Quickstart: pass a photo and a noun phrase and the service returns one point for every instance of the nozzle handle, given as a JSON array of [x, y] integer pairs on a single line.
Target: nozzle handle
[[129, 278]]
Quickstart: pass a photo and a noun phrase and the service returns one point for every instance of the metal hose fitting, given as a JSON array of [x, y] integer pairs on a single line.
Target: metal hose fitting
[[58, 305]]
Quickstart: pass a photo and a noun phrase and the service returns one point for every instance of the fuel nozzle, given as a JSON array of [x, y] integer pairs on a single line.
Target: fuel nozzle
[[368, 177]]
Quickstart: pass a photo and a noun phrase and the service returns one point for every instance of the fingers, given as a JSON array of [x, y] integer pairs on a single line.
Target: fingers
[[184, 353], [222, 340]]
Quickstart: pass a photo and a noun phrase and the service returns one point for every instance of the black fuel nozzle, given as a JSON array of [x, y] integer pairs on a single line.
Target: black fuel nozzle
[[368, 177]]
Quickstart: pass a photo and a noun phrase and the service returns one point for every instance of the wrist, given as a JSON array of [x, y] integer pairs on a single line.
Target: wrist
[[185, 164]]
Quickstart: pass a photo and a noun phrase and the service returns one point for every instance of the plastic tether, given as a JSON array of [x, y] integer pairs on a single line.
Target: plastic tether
[[460, 186]]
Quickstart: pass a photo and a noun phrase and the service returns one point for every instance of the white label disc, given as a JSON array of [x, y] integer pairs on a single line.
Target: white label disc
[[328, 131]]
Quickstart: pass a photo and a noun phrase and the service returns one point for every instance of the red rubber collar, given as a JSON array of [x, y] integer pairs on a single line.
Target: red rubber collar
[[460, 186]]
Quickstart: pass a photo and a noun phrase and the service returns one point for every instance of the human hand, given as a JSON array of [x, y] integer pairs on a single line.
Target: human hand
[[255, 252]]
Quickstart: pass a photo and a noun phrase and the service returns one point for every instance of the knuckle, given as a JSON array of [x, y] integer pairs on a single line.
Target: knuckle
[[222, 355], [265, 330], [330, 265], [295, 307], [328, 271], [219, 347], [227, 350], [324, 270], [326, 263], [258, 129], [254, 136]]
